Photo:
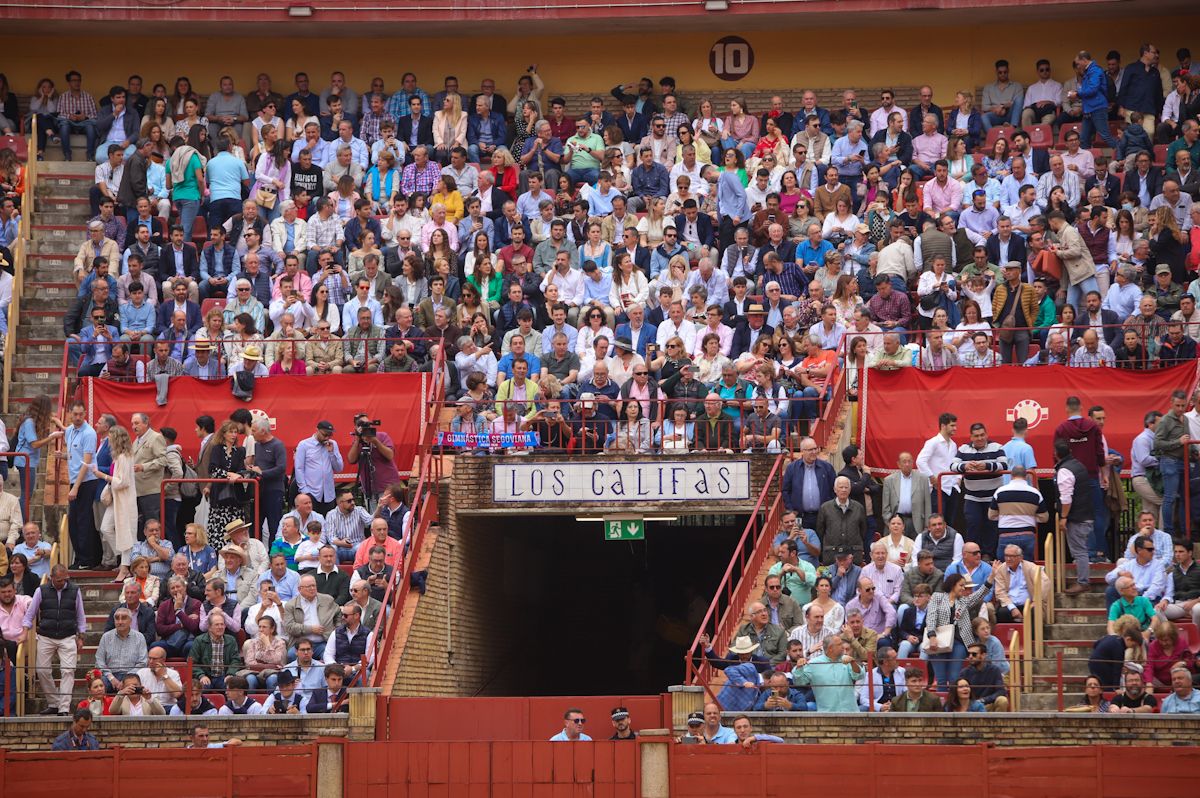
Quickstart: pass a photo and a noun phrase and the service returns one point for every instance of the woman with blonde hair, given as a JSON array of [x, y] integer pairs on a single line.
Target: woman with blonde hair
[[965, 123], [1167, 242], [449, 128], [118, 528], [147, 582]]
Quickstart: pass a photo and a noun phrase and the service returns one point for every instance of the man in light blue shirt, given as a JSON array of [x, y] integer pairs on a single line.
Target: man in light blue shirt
[[226, 176], [317, 460], [597, 286], [36, 550], [572, 732], [850, 155], [1017, 451], [80, 441], [137, 316], [1124, 294], [1184, 699], [1145, 570], [832, 675]]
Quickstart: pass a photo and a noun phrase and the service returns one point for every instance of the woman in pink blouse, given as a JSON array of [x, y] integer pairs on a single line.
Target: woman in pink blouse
[[741, 129]]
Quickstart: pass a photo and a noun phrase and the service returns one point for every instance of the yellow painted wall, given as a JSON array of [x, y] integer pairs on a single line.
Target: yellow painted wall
[[947, 58]]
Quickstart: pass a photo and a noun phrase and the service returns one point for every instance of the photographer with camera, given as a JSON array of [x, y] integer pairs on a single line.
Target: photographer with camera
[[374, 453], [135, 700]]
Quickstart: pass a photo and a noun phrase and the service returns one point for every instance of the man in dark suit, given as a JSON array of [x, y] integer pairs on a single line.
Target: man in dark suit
[[1144, 179], [179, 301], [657, 315], [1014, 245], [1109, 183], [794, 498], [487, 188], [634, 126], [1093, 314], [1036, 160], [695, 228], [639, 254], [637, 331], [179, 258], [330, 579], [404, 128], [753, 326]]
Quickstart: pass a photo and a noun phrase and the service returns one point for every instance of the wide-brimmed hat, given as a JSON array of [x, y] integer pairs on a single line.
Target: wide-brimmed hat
[[233, 548], [623, 343], [755, 310], [743, 645], [251, 353], [235, 525]]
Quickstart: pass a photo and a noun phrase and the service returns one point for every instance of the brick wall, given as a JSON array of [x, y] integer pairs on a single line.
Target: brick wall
[[471, 489], [759, 101], [36, 734], [1012, 729]]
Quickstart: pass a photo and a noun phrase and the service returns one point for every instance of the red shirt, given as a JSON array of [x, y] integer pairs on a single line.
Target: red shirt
[[564, 129], [826, 358]]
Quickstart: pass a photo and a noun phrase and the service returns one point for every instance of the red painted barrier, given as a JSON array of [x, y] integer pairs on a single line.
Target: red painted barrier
[[524, 718]]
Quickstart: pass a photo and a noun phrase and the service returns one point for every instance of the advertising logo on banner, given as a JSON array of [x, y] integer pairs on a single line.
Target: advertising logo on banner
[[900, 408], [293, 405], [668, 481]]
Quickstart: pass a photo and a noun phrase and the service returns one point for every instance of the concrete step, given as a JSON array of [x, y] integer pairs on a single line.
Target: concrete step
[[1073, 665], [1076, 631], [61, 203], [1047, 702], [1087, 615], [1062, 601], [1071, 649], [39, 360], [71, 215], [78, 166], [61, 184]]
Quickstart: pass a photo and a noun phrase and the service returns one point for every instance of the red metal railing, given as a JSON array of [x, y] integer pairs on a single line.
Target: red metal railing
[[424, 509], [256, 529], [725, 612]]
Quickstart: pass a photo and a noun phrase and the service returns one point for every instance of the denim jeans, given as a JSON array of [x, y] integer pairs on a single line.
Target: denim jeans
[[583, 175], [1093, 123], [188, 211], [66, 127], [1077, 291], [1098, 540], [804, 404], [947, 666], [1027, 542], [1172, 472], [220, 210], [980, 528]]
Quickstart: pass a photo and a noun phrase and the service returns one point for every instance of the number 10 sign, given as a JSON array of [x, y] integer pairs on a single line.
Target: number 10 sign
[[731, 58]]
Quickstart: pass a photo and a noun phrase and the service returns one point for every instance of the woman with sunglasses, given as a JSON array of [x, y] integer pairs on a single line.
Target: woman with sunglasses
[[593, 326], [686, 136]]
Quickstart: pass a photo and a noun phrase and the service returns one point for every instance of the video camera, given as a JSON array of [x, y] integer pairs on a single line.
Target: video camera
[[365, 427]]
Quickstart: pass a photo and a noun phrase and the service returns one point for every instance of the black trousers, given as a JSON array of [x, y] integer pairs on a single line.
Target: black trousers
[[81, 524]]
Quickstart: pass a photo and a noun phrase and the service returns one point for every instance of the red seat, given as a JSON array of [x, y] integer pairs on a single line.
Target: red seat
[[200, 231], [1115, 129], [1040, 136], [1064, 130], [1160, 154], [217, 699], [17, 144], [209, 304], [999, 131], [1004, 632], [1190, 634], [914, 664]]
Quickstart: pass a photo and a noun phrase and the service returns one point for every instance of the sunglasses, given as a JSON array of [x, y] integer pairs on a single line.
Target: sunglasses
[[640, 373], [579, 721]]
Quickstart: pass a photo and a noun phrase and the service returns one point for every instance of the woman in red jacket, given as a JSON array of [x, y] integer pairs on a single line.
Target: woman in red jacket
[[505, 170]]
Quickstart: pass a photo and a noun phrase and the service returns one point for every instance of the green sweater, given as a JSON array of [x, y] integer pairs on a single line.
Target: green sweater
[[202, 657], [1046, 315]]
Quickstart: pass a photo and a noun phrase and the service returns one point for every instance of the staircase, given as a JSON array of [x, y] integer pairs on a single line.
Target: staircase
[[59, 213], [1079, 621], [100, 595]]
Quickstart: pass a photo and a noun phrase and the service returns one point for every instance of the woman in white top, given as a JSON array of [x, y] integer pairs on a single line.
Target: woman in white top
[[841, 222], [707, 125], [321, 309], [593, 326], [191, 117], [960, 160], [971, 322], [272, 175], [449, 128], [300, 118], [846, 298], [617, 166], [1125, 235], [159, 112], [831, 272], [267, 117], [899, 547], [629, 286], [634, 434], [936, 280], [650, 226], [710, 362], [119, 526], [835, 614]]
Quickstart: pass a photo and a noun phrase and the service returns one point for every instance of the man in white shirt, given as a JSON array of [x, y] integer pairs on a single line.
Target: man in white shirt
[[936, 456], [161, 683], [1042, 97], [362, 299], [676, 325], [691, 167], [1059, 176]]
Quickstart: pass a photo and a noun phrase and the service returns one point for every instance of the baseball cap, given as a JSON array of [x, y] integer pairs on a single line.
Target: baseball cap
[[325, 426], [695, 719]]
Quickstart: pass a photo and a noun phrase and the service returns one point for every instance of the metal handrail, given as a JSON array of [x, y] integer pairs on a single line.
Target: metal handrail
[[744, 568], [1015, 669], [425, 509], [20, 251], [64, 542]]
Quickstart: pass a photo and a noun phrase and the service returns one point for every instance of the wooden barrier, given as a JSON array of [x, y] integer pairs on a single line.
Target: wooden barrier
[[468, 769], [878, 770], [125, 772], [526, 718]]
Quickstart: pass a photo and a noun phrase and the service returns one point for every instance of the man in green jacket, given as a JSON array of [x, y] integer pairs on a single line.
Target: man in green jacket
[[215, 654]]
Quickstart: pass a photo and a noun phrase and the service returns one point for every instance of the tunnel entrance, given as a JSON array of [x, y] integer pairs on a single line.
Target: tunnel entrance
[[570, 613]]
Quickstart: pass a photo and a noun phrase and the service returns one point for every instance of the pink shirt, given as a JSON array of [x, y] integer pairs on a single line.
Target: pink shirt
[[939, 198], [11, 622], [929, 147]]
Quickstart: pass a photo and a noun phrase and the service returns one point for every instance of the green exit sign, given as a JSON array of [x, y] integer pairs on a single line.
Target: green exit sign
[[624, 528]]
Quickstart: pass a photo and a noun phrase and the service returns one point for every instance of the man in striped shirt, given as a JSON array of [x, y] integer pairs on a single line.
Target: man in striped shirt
[[978, 462], [1018, 508]]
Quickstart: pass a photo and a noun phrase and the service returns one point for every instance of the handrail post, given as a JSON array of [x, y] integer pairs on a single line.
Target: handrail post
[[1059, 679], [870, 681]]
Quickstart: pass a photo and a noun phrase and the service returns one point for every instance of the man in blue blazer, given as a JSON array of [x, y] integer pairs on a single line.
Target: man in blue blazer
[[637, 331], [485, 132], [806, 503], [634, 126], [178, 301], [631, 242], [1015, 243]]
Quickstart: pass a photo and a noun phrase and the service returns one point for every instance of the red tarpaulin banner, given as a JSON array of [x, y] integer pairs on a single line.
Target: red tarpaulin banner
[[293, 405], [902, 407]]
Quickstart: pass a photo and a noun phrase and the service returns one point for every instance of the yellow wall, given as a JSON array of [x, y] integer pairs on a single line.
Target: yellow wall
[[948, 58]]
